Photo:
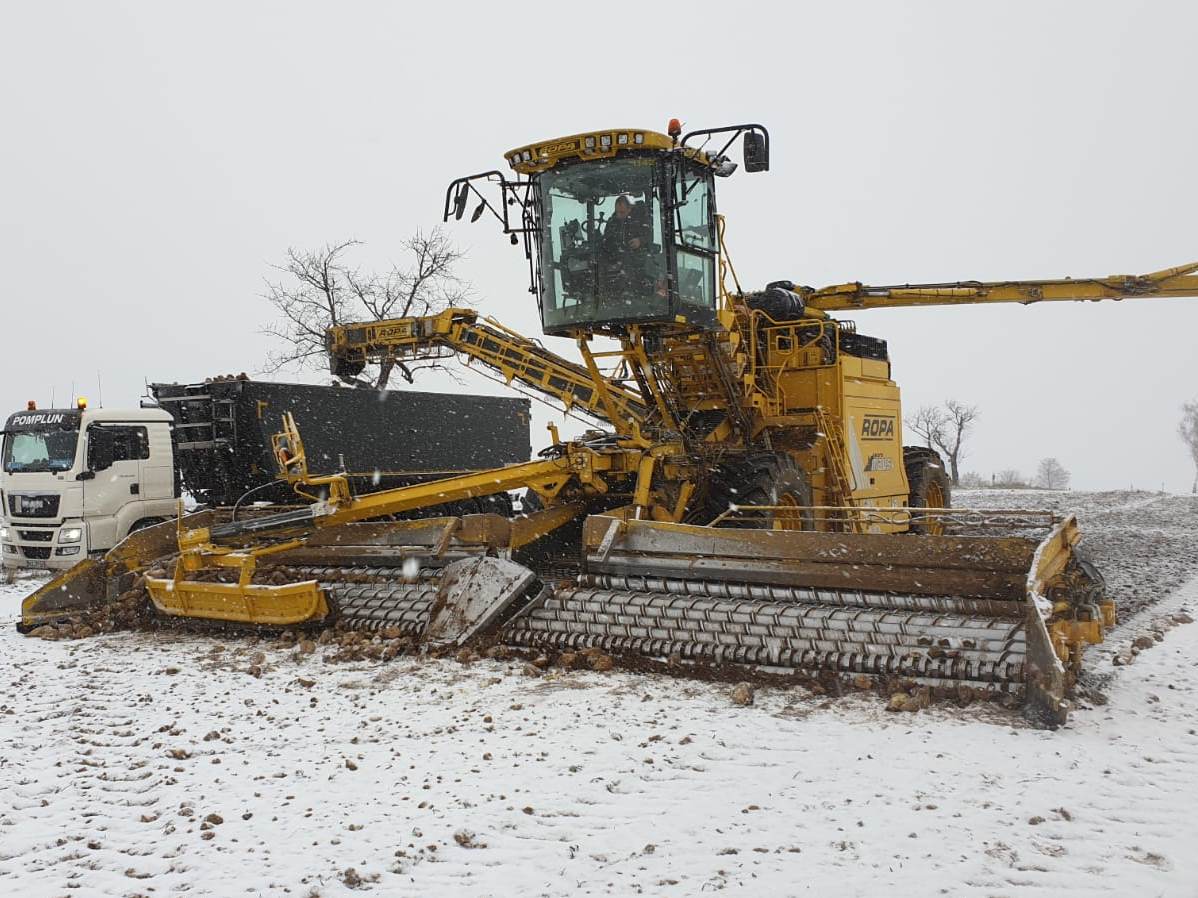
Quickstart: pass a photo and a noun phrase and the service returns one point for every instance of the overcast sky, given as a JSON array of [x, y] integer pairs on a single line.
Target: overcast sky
[[157, 158]]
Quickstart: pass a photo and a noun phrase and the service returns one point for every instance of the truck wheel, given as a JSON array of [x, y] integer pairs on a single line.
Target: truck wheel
[[144, 523], [929, 485], [762, 478]]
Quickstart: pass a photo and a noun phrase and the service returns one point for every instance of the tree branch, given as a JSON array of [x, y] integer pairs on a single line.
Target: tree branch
[[320, 290]]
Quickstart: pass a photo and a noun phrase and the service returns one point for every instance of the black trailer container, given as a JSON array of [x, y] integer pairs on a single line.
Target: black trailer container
[[382, 439]]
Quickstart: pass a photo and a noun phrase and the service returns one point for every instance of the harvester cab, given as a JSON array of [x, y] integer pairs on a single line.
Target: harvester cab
[[619, 227]]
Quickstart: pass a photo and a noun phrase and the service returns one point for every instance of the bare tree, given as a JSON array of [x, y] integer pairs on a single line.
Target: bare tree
[[321, 290], [1051, 475], [1009, 478], [973, 480], [945, 428], [1187, 429], [928, 421], [950, 439]]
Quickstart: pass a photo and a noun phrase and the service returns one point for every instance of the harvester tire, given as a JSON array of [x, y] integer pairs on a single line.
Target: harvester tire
[[929, 484], [762, 478]]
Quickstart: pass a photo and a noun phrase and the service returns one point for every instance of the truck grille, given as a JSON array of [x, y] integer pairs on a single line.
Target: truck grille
[[29, 505], [36, 536], [38, 552]]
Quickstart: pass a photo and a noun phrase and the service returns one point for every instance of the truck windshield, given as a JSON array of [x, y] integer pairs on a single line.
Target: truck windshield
[[47, 450], [601, 243]]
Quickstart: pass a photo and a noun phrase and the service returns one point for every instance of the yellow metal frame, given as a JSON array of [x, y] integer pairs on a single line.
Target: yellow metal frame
[[864, 518], [1068, 635], [512, 357], [286, 605], [590, 145], [1169, 282]]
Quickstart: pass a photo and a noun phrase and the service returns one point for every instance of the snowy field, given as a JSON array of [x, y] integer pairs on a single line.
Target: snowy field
[[157, 764]]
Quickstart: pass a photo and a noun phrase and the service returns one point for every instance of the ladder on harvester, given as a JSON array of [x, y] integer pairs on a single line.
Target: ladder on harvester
[[838, 474]]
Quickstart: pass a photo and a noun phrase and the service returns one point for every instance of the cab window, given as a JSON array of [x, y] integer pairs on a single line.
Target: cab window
[[30, 451], [601, 244], [695, 237], [129, 443], [695, 223], [696, 280]]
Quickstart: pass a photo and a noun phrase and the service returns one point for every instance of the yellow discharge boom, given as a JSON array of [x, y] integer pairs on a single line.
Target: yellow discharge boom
[[1169, 283], [747, 501]]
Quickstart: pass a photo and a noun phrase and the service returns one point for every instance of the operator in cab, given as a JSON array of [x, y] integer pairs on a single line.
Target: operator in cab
[[624, 231], [625, 239]]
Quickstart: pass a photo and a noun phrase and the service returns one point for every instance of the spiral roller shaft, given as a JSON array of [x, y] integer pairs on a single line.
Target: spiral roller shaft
[[808, 633], [711, 622]]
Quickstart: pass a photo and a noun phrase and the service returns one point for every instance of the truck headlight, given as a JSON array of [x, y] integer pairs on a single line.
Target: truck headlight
[[70, 534]]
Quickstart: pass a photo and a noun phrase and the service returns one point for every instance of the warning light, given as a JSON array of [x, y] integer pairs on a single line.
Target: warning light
[[81, 403], [675, 128], [31, 406]]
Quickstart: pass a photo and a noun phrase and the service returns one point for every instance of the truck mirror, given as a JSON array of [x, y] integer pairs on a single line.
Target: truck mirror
[[757, 152], [459, 201], [100, 449], [478, 213]]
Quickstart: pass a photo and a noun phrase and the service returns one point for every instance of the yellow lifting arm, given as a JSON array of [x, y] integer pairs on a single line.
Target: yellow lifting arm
[[339, 506], [1179, 281], [549, 475], [512, 356]]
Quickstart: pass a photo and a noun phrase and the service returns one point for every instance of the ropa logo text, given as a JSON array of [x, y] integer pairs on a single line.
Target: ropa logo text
[[555, 148], [395, 330], [877, 428]]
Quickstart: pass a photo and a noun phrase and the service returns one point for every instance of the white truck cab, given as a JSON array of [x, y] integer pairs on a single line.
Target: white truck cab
[[75, 482]]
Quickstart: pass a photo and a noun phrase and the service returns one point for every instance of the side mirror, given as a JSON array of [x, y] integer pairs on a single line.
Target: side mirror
[[100, 449], [757, 152], [459, 201], [478, 212]]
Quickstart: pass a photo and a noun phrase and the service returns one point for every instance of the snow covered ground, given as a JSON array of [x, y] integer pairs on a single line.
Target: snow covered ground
[[157, 764], [1145, 543]]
